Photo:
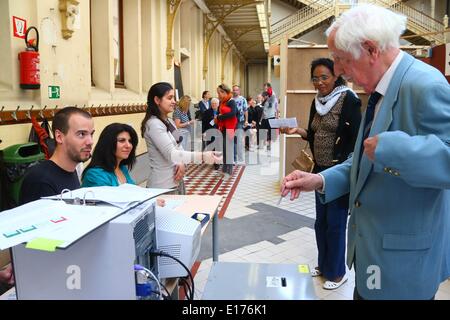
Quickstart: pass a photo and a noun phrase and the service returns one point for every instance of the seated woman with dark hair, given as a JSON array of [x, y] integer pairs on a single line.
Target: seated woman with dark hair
[[114, 155]]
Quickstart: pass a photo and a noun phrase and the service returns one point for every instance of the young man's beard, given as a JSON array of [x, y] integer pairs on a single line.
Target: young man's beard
[[76, 156]]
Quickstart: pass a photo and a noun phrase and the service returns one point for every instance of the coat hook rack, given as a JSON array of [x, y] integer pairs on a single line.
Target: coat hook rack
[[22, 115]]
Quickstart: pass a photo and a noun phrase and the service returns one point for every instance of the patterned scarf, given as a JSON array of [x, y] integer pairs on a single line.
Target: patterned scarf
[[324, 104]]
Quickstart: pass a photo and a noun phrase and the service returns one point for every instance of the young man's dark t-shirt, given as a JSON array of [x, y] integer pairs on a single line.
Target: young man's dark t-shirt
[[46, 179]]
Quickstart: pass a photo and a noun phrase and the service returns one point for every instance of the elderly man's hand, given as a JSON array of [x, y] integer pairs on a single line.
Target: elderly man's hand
[[298, 181], [370, 144]]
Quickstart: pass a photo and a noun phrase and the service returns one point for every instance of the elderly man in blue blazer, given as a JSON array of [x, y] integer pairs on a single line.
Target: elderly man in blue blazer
[[399, 174]]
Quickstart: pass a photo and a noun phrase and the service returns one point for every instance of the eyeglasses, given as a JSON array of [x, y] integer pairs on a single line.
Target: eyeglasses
[[321, 78]]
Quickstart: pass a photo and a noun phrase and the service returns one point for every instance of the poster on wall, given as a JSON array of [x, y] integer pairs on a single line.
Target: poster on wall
[[19, 27], [447, 59]]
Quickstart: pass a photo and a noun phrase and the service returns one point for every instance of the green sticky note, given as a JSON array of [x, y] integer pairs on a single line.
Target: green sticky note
[[303, 268], [44, 244]]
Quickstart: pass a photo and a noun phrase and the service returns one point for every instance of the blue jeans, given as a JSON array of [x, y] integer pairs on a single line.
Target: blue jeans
[[330, 225]]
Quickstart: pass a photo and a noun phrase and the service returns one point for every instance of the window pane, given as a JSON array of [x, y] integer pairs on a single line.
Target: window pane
[[117, 41]]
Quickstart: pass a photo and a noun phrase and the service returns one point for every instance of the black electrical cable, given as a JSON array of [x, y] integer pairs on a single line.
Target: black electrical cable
[[190, 297], [188, 290], [164, 254], [167, 291]]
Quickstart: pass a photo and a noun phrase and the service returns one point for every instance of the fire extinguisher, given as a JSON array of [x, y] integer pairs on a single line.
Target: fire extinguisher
[[29, 63]]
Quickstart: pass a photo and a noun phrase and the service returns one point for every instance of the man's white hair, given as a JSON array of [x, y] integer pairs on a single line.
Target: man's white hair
[[367, 22], [215, 100]]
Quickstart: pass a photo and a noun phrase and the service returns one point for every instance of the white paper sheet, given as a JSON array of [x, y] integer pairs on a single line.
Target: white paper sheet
[[172, 204], [123, 196], [57, 220], [285, 122], [50, 219]]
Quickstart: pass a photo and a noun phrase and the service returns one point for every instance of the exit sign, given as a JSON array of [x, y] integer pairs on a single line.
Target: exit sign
[[54, 92]]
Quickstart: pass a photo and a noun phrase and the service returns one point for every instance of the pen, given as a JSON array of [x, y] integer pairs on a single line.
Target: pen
[[279, 201]]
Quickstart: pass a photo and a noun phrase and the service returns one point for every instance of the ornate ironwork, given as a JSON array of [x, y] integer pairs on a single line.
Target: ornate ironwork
[[172, 8]]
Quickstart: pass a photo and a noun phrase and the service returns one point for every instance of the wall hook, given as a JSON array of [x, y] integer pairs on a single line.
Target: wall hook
[[53, 111], [41, 113], [14, 114], [84, 109], [28, 114]]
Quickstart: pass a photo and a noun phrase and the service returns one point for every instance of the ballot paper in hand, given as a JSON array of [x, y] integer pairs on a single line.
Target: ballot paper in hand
[[285, 122]]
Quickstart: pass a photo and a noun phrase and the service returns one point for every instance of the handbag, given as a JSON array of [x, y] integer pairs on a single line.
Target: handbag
[[304, 162]]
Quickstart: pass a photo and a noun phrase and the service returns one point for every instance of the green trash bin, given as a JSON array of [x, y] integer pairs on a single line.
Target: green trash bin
[[17, 159]]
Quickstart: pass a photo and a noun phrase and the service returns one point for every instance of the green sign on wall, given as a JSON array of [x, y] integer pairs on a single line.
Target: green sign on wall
[[54, 92]]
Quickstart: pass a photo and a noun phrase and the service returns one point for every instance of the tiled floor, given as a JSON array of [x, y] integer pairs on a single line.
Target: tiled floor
[[259, 184]]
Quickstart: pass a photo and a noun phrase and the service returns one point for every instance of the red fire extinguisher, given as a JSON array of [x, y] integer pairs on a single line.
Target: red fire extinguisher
[[29, 63]]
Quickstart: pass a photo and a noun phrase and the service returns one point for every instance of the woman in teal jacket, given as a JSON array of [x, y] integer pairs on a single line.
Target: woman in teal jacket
[[114, 155]]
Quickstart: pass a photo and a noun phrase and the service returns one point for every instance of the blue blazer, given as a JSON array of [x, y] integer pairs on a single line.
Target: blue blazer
[[203, 107], [399, 228], [97, 177]]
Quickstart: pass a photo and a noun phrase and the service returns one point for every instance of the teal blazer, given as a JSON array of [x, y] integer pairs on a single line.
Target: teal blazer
[[399, 228], [97, 177]]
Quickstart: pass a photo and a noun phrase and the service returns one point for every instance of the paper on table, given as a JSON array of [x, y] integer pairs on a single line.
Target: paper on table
[[52, 220], [123, 196], [285, 122], [303, 268], [172, 204], [64, 222]]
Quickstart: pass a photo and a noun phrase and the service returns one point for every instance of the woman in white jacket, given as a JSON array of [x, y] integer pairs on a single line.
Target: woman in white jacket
[[166, 155]]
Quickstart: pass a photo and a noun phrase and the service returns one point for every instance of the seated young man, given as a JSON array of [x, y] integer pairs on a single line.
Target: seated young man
[[73, 130]]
